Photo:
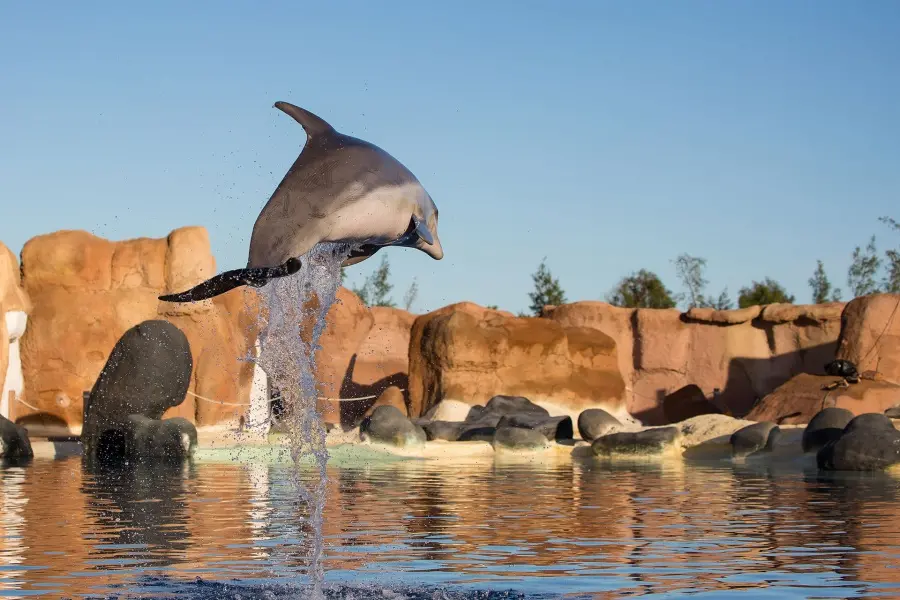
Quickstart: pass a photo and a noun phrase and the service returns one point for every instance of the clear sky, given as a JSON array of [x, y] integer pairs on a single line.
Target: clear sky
[[606, 136]]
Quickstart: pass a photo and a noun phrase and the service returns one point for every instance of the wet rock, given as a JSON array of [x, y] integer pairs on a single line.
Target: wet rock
[[147, 373], [647, 442], [14, 442], [388, 425], [442, 430], [519, 438], [595, 422], [514, 405], [826, 426], [862, 449], [172, 439], [869, 421], [552, 428], [759, 437]]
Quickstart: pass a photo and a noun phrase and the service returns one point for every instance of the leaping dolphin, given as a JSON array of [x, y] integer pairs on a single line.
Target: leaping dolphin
[[340, 189]]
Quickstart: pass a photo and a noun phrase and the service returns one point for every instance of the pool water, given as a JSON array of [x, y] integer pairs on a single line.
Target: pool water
[[432, 529]]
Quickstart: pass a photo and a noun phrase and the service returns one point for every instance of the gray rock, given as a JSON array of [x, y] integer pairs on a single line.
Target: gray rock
[[442, 430], [862, 449], [519, 438], [759, 437], [552, 428], [869, 421], [388, 425], [147, 373], [893, 412], [594, 422], [826, 426], [172, 439], [647, 442], [14, 442], [513, 405]]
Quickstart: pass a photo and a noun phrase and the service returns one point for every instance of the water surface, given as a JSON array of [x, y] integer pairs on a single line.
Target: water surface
[[407, 529]]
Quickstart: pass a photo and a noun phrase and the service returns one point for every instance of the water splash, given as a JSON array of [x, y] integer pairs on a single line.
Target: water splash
[[295, 311]]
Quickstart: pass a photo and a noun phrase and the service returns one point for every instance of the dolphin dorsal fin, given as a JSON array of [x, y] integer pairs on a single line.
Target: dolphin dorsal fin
[[313, 125]]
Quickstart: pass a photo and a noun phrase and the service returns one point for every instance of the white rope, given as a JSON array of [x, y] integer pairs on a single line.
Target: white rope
[[372, 397], [34, 408]]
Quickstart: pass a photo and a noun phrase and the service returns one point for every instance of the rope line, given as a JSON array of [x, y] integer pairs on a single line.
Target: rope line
[[372, 397], [34, 408]]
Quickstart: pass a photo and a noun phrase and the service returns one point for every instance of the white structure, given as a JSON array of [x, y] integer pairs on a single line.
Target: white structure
[[16, 320]]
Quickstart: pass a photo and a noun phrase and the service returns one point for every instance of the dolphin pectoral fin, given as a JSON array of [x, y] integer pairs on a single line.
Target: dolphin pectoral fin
[[227, 281], [421, 230]]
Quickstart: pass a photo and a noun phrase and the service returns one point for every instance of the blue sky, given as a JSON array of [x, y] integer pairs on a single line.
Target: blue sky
[[606, 136]]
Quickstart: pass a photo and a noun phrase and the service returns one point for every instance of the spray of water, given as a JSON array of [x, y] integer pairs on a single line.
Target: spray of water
[[295, 311]]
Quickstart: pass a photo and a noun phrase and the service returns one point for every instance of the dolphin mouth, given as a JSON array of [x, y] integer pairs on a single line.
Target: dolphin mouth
[[227, 281]]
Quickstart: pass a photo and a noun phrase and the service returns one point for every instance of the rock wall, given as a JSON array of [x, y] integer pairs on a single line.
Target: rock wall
[[870, 335], [87, 291], [744, 353], [468, 353], [14, 308]]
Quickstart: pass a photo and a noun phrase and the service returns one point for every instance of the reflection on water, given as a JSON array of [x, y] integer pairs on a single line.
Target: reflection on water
[[567, 528]]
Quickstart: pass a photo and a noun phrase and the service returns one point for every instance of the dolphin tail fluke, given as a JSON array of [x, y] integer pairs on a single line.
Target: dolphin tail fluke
[[227, 281]]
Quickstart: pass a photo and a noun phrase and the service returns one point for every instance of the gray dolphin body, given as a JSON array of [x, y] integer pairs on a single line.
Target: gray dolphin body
[[340, 189]]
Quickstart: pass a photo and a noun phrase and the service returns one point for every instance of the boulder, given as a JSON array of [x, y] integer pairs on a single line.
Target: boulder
[[594, 422], [892, 412], [552, 428], [637, 443], [869, 421], [449, 410], [759, 437], [798, 400], [862, 449], [468, 353], [518, 438], [147, 373], [686, 403], [442, 430], [388, 425], [482, 421], [392, 396], [826, 426], [514, 405], [148, 439], [14, 442]]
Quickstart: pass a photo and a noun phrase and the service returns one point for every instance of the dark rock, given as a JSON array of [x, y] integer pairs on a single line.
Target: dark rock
[[388, 425], [552, 428], [893, 412], [519, 438], [759, 437], [14, 442], [513, 405], [826, 426], [172, 439], [649, 441], [842, 368], [686, 403], [442, 430], [147, 373], [869, 421], [594, 422], [863, 449], [476, 411], [477, 434]]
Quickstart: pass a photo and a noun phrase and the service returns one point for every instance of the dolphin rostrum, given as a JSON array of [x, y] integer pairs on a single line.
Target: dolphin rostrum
[[340, 189]]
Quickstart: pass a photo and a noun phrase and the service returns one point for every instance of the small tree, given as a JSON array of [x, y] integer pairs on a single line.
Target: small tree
[[376, 288], [411, 294], [723, 302], [821, 286], [892, 278], [546, 289], [690, 271], [343, 275], [764, 292], [861, 274], [642, 289]]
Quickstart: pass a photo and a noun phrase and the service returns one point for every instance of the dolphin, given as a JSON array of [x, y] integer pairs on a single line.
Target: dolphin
[[340, 189]]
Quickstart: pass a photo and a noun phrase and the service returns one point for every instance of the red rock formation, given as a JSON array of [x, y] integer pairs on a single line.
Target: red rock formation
[[870, 335], [744, 353], [13, 299], [88, 291], [468, 353]]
